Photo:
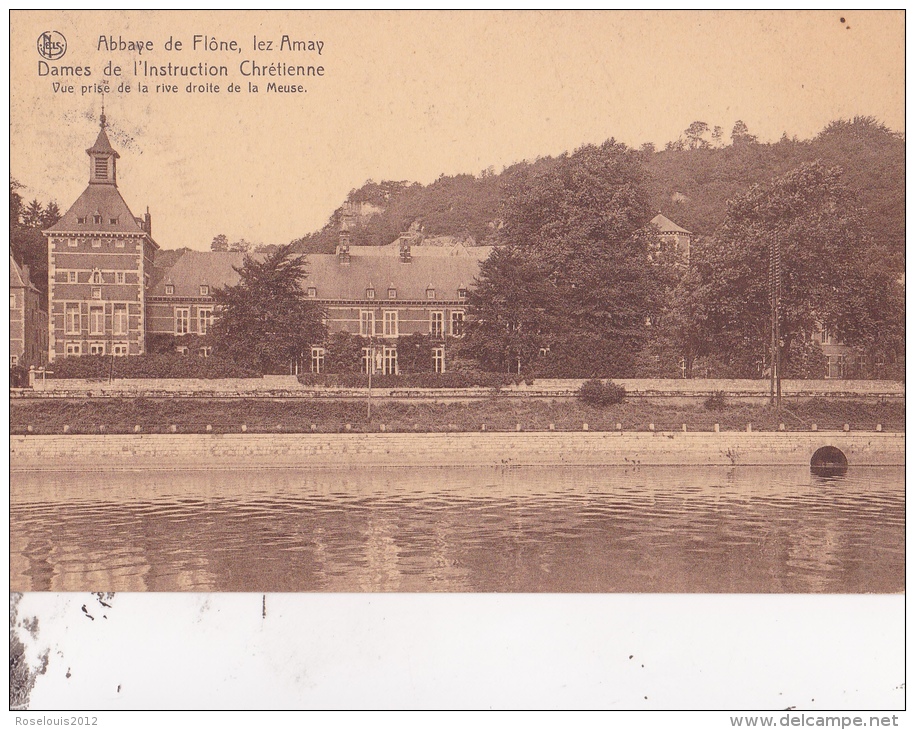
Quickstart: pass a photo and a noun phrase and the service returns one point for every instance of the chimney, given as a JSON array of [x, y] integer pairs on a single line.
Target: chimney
[[405, 256], [343, 246], [147, 222]]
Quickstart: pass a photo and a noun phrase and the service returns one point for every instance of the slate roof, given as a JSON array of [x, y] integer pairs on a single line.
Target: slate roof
[[102, 144], [104, 200], [332, 279], [194, 268], [18, 279], [667, 225]]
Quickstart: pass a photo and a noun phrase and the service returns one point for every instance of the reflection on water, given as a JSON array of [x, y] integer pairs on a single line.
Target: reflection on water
[[647, 529]]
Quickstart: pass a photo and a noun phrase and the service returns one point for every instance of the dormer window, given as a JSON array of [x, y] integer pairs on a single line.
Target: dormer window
[[96, 277], [430, 293], [312, 292], [462, 293], [112, 221], [204, 290], [169, 289], [392, 293], [370, 293], [81, 219], [97, 219]]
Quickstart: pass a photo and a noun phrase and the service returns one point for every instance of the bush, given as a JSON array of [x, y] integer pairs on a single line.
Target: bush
[[716, 401], [598, 393]]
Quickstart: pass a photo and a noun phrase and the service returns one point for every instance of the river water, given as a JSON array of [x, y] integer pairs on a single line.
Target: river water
[[645, 529]]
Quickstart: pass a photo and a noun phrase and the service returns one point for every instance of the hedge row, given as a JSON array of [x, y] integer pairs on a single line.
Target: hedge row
[[458, 379], [149, 366]]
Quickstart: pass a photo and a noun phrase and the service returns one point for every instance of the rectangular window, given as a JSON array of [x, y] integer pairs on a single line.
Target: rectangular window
[[824, 336], [430, 293], [96, 321], [119, 277], [312, 292], [169, 289], [389, 360], [369, 293], [120, 320], [367, 324], [81, 219], [204, 321], [96, 348], [368, 360], [390, 323], [317, 359], [392, 293], [119, 349], [74, 348], [72, 319], [113, 221], [204, 290], [96, 292], [12, 301], [438, 359], [182, 321], [206, 351], [72, 277], [457, 324], [437, 328]]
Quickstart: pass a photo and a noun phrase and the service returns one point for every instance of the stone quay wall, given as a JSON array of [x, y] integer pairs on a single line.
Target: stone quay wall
[[171, 451]]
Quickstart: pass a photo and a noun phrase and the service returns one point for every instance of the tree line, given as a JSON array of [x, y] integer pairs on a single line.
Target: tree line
[[580, 285]]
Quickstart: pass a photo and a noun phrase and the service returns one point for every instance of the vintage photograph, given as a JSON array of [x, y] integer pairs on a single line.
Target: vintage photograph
[[452, 302]]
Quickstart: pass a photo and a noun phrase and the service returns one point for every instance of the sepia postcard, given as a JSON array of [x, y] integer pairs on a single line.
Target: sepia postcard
[[389, 359]]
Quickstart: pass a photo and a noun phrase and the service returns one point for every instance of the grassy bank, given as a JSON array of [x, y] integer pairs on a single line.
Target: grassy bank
[[296, 416]]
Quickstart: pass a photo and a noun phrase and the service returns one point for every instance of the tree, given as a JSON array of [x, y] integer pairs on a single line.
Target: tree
[[830, 276], [15, 202], [740, 134], [265, 321], [569, 290], [414, 354], [31, 216], [695, 135], [50, 215], [220, 243], [343, 353]]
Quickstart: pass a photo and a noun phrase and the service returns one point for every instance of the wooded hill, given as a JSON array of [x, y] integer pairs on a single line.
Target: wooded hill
[[690, 181]]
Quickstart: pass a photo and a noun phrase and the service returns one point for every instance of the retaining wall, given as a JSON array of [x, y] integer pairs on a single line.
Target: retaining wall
[[164, 451], [287, 386]]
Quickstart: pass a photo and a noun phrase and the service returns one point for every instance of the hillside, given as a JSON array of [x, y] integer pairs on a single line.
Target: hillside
[[690, 181]]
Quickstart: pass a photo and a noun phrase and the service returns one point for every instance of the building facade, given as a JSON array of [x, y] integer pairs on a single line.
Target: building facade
[[28, 320], [99, 262], [380, 293]]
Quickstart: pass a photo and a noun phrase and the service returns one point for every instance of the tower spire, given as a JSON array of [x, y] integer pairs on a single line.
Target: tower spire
[[103, 165]]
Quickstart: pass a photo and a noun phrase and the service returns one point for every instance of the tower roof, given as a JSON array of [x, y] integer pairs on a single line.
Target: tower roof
[[667, 225], [98, 200], [102, 144]]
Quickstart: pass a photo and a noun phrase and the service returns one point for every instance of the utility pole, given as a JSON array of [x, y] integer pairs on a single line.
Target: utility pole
[[370, 365], [775, 298]]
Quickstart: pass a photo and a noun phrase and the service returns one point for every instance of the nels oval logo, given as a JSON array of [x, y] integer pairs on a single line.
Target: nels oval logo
[[52, 45]]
